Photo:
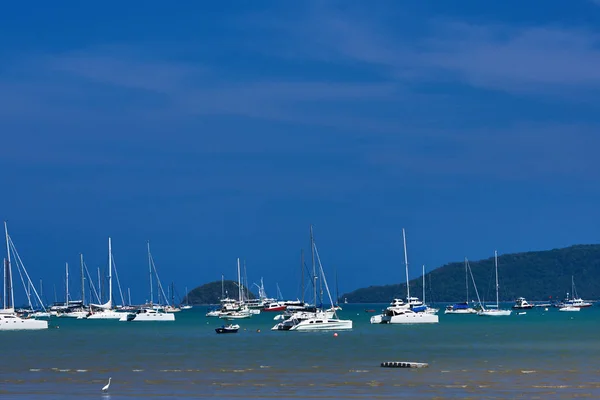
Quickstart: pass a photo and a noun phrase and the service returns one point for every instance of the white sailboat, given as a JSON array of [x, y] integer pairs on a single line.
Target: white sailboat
[[187, 305], [320, 320], [462, 308], [9, 320], [401, 313], [241, 310], [496, 311], [151, 313], [106, 311]]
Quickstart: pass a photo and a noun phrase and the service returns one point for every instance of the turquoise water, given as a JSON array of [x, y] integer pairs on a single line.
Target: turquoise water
[[538, 355]]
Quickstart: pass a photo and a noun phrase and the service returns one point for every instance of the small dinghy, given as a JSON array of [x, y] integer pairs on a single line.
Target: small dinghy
[[228, 328]]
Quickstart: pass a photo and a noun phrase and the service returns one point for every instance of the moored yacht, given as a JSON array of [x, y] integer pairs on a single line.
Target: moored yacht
[[522, 304], [318, 320], [147, 314], [413, 311], [460, 308]]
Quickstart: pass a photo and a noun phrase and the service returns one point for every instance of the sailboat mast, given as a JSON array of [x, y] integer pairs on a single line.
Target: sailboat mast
[[312, 251], [302, 272], [222, 286], [67, 284], [406, 264], [100, 286], [8, 272], [82, 280], [129, 295], [423, 283], [239, 283], [496, 265], [467, 279], [109, 273], [150, 271]]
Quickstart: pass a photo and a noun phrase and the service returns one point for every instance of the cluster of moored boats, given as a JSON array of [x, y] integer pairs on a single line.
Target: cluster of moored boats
[[292, 315], [296, 315], [32, 319]]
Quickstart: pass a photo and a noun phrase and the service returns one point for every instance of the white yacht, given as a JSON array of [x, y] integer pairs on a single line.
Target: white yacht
[[9, 320], [522, 304], [12, 322], [319, 320], [106, 311], [400, 312], [496, 311], [147, 314]]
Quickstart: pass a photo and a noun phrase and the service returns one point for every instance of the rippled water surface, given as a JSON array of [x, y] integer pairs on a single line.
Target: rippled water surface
[[542, 354]]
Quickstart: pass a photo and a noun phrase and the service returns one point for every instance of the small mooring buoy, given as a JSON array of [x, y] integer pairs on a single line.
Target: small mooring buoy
[[403, 364]]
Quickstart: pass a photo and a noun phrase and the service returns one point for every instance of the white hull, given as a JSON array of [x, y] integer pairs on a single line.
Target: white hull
[[462, 311], [569, 309], [322, 324], [411, 318], [41, 315], [156, 317], [75, 314], [106, 314], [14, 323], [235, 315], [494, 313]]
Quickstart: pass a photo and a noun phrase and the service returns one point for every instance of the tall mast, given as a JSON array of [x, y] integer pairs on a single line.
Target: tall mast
[[496, 265], [109, 273], [302, 272], [67, 284], [82, 280], [129, 295], [222, 286], [41, 290], [239, 283], [312, 251], [467, 279], [406, 264], [150, 272], [423, 284], [8, 272]]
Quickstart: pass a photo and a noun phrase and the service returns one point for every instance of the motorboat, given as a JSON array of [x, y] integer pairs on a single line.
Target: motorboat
[[460, 308], [228, 328], [522, 304], [147, 314]]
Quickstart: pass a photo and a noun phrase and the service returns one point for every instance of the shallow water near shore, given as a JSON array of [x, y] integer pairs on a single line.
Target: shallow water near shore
[[541, 354]]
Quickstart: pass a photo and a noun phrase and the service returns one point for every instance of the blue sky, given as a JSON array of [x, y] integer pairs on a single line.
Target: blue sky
[[222, 130]]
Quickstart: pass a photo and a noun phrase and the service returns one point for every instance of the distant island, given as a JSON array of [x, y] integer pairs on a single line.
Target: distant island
[[210, 293], [536, 275]]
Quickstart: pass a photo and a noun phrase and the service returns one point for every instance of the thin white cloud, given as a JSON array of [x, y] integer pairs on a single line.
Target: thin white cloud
[[538, 59]]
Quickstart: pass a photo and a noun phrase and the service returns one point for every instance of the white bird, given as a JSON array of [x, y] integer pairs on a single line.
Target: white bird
[[105, 388]]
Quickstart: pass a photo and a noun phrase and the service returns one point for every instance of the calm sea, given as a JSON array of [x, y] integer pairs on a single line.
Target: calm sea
[[541, 354]]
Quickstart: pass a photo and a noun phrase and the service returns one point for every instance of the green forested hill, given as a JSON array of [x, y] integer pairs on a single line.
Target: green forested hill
[[210, 293], [537, 275]]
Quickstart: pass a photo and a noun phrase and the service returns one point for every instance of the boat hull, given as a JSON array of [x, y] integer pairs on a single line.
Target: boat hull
[[14, 323], [150, 317], [494, 313], [324, 325], [106, 315], [411, 318]]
